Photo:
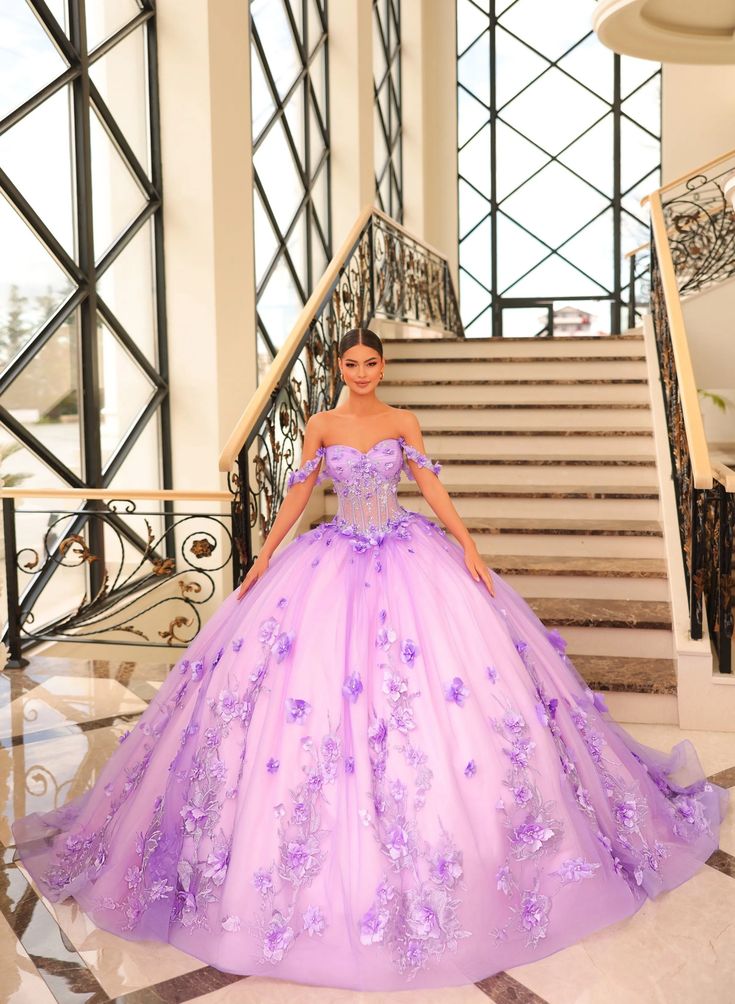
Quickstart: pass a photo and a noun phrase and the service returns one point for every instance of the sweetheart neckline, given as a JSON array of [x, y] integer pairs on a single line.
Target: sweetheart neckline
[[364, 453]]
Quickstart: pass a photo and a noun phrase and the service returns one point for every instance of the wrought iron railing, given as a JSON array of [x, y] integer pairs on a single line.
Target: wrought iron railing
[[170, 570], [639, 283], [381, 271], [693, 247]]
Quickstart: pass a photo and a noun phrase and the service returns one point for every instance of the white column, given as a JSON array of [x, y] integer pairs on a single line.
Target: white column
[[351, 112], [428, 38], [204, 66]]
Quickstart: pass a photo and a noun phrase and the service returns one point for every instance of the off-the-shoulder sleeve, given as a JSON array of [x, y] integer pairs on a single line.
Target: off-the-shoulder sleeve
[[295, 477], [411, 453]]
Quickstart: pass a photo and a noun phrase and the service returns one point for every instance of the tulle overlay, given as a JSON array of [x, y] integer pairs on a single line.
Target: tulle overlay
[[370, 773]]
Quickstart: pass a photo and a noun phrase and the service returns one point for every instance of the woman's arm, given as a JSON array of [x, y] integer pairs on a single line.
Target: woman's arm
[[291, 507], [438, 498]]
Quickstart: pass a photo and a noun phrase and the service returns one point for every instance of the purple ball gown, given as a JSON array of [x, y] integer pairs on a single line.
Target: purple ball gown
[[370, 773]]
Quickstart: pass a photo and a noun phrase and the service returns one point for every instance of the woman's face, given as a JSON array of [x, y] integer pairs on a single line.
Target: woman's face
[[362, 368]]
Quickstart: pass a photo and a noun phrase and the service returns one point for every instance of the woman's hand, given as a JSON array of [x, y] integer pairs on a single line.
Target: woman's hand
[[255, 571], [477, 567]]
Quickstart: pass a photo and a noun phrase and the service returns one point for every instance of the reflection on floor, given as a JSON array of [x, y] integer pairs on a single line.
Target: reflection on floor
[[59, 721]]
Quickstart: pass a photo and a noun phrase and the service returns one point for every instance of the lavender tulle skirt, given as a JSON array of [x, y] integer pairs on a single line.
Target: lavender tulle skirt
[[370, 773]]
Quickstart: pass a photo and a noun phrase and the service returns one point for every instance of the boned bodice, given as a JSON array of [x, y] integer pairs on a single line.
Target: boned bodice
[[366, 483]]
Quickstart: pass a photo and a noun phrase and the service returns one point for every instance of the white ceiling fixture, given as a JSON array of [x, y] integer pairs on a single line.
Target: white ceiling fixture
[[668, 31]]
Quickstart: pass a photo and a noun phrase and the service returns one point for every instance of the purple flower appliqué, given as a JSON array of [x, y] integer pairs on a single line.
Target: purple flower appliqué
[[197, 670], [237, 644], [471, 768], [296, 709], [313, 919], [394, 686], [372, 926], [535, 915], [492, 673], [514, 722], [556, 641], [277, 939], [272, 765], [349, 765], [352, 687], [409, 651], [282, 645], [268, 630], [456, 691]]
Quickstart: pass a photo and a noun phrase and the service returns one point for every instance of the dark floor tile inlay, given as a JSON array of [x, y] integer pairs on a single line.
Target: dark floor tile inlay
[[723, 862], [725, 778], [503, 989], [180, 989]]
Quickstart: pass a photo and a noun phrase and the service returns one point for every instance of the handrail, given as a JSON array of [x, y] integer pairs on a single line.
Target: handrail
[[634, 251], [698, 448], [702, 169], [265, 389], [171, 494], [724, 475]]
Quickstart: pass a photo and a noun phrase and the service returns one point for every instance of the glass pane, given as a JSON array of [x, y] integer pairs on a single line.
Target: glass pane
[[124, 390], [316, 30], [265, 240], [473, 297], [316, 136], [294, 112], [525, 322], [319, 80], [381, 148], [297, 248], [472, 207], [517, 159], [141, 469], [278, 175], [261, 99], [517, 252], [31, 283], [555, 277], [473, 69], [29, 57], [128, 289], [592, 63], [273, 28], [44, 397], [644, 107], [590, 249], [474, 161], [554, 186], [318, 255], [476, 249], [550, 28], [116, 196], [59, 8], [36, 154], [471, 22], [320, 196], [104, 19], [515, 66], [121, 77], [380, 63], [591, 156], [279, 304], [535, 113], [639, 154], [471, 115]]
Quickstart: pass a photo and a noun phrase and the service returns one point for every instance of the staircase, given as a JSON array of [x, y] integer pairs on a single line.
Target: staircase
[[547, 450]]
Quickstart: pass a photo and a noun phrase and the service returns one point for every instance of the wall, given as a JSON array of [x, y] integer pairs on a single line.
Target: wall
[[698, 116]]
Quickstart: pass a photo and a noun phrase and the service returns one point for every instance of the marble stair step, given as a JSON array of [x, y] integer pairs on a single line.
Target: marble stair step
[[520, 442], [577, 566], [514, 392], [599, 538], [533, 506], [601, 587], [578, 491], [613, 345], [484, 368], [634, 675], [556, 418], [649, 643], [547, 472], [564, 612]]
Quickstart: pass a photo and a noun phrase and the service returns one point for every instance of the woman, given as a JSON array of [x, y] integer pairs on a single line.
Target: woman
[[374, 767]]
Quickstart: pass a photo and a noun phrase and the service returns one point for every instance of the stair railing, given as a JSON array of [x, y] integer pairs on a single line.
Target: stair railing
[[693, 247], [381, 270]]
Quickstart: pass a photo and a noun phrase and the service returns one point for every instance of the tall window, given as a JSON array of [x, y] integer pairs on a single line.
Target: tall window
[[291, 200], [558, 140], [83, 386], [387, 114]]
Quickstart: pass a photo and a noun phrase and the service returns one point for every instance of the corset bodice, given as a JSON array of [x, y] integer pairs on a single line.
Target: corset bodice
[[366, 484]]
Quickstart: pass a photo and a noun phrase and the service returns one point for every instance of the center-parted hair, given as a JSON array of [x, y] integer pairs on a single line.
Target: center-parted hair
[[360, 336]]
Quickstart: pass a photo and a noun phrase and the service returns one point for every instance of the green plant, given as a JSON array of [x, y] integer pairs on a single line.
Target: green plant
[[17, 477]]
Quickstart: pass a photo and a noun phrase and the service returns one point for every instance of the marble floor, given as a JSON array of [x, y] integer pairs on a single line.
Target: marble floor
[[61, 718]]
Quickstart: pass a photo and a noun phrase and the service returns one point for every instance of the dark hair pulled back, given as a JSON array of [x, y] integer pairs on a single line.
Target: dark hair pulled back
[[360, 336]]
